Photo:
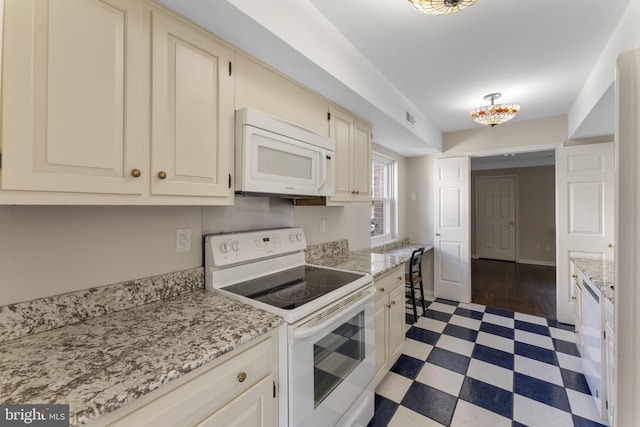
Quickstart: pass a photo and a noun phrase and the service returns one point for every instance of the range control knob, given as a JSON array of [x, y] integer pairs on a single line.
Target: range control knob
[[224, 247], [235, 245], [292, 237], [299, 237]]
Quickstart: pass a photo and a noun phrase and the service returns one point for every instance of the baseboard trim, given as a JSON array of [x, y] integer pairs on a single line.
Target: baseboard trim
[[536, 262]]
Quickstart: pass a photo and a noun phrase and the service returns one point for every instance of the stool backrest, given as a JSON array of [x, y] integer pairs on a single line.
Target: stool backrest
[[416, 261]]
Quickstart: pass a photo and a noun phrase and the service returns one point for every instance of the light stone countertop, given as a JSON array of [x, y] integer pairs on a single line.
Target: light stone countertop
[[600, 272], [367, 261], [98, 365]]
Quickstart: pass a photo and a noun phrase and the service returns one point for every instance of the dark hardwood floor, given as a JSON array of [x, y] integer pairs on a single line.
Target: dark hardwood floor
[[526, 288]]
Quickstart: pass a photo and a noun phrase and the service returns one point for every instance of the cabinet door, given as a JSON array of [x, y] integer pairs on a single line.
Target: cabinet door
[[192, 112], [381, 317], [342, 130], [265, 90], [396, 323], [361, 155], [610, 367], [73, 96], [253, 408]]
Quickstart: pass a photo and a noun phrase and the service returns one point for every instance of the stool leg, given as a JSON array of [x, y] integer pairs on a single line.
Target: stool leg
[[413, 301]]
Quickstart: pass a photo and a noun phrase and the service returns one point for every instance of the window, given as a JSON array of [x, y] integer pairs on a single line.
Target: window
[[382, 206]]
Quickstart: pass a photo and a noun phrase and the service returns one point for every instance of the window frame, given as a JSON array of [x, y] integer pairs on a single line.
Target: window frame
[[390, 202]]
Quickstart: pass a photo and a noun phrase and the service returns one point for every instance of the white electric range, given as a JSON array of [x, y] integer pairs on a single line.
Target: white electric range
[[326, 346]]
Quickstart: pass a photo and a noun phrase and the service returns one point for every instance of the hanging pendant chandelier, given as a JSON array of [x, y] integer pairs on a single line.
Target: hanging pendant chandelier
[[494, 114], [440, 7]]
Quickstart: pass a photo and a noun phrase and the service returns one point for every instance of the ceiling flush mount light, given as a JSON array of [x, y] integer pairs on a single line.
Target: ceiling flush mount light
[[440, 7], [494, 114]]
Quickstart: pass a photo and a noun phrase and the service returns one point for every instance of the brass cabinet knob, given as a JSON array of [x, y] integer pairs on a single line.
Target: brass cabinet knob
[[610, 245], [381, 289], [136, 173], [573, 298], [393, 303], [399, 277], [575, 276], [242, 376], [388, 305], [162, 174], [357, 191]]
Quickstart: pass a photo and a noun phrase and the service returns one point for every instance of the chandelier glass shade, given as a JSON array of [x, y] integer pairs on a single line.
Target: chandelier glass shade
[[494, 114], [440, 7]]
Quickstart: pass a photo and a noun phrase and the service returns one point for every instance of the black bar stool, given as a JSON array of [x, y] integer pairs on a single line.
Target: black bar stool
[[413, 279]]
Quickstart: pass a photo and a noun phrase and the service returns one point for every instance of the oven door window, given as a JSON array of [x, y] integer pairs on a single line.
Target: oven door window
[[336, 355]]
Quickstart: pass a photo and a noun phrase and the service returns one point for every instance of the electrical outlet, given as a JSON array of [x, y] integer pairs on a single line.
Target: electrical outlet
[[183, 239]]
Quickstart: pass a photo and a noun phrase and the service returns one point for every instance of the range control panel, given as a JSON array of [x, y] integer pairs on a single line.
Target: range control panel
[[227, 249]]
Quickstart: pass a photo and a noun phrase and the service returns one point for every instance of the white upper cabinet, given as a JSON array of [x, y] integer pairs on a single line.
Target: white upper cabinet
[[73, 96], [265, 90], [113, 102], [192, 112], [353, 157]]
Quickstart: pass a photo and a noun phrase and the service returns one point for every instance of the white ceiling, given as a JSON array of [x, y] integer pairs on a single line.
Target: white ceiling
[[537, 53]]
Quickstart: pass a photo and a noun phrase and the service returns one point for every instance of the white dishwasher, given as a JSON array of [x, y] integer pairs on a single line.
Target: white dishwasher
[[592, 341]]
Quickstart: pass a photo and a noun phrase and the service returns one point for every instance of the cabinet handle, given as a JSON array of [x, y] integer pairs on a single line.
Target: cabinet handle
[[162, 174], [353, 192], [358, 192], [388, 305], [242, 376], [437, 234], [575, 331], [136, 173], [573, 298], [392, 303], [575, 276], [381, 289], [610, 245], [399, 277]]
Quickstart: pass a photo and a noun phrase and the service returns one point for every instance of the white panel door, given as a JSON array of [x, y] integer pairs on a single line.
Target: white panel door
[[584, 210], [73, 96], [452, 253], [496, 218], [192, 120]]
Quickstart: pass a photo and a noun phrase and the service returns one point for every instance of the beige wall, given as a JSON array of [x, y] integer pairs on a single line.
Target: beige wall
[[536, 222], [511, 135], [48, 250]]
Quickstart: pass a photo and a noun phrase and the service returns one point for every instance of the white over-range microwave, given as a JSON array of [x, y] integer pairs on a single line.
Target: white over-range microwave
[[277, 157]]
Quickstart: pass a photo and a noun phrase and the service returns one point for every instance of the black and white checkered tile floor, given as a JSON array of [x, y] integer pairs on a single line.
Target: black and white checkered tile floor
[[477, 366]]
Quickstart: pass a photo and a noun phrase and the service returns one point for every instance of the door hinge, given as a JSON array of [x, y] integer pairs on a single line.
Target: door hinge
[[274, 389], [606, 404], [329, 115], [229, 67], [229, 180], [604, 335]]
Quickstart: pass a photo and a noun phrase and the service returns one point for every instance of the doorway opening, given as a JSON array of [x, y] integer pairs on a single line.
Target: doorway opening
[[513, 232]]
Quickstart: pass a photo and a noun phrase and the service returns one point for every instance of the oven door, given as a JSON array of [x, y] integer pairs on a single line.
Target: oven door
[[332, 364]]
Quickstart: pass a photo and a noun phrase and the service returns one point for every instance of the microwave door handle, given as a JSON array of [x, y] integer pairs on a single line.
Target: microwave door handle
[[323, 169]]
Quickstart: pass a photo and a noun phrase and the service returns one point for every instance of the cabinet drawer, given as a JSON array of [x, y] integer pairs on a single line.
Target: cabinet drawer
[[193, 400], [385, 284]]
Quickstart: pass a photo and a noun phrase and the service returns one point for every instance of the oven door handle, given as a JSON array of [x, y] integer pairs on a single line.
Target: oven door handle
[[304, 332]]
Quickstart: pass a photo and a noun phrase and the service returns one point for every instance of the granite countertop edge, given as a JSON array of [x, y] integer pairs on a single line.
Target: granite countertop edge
[[366, 261], [601, 274], [100, 364]]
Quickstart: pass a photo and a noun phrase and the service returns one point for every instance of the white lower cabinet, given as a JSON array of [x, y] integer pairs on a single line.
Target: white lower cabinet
[[610, 357], [389, 317], [236, 390]]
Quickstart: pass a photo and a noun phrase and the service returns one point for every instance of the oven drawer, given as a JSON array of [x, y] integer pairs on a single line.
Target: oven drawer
[[200, 395], [390, 281]]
